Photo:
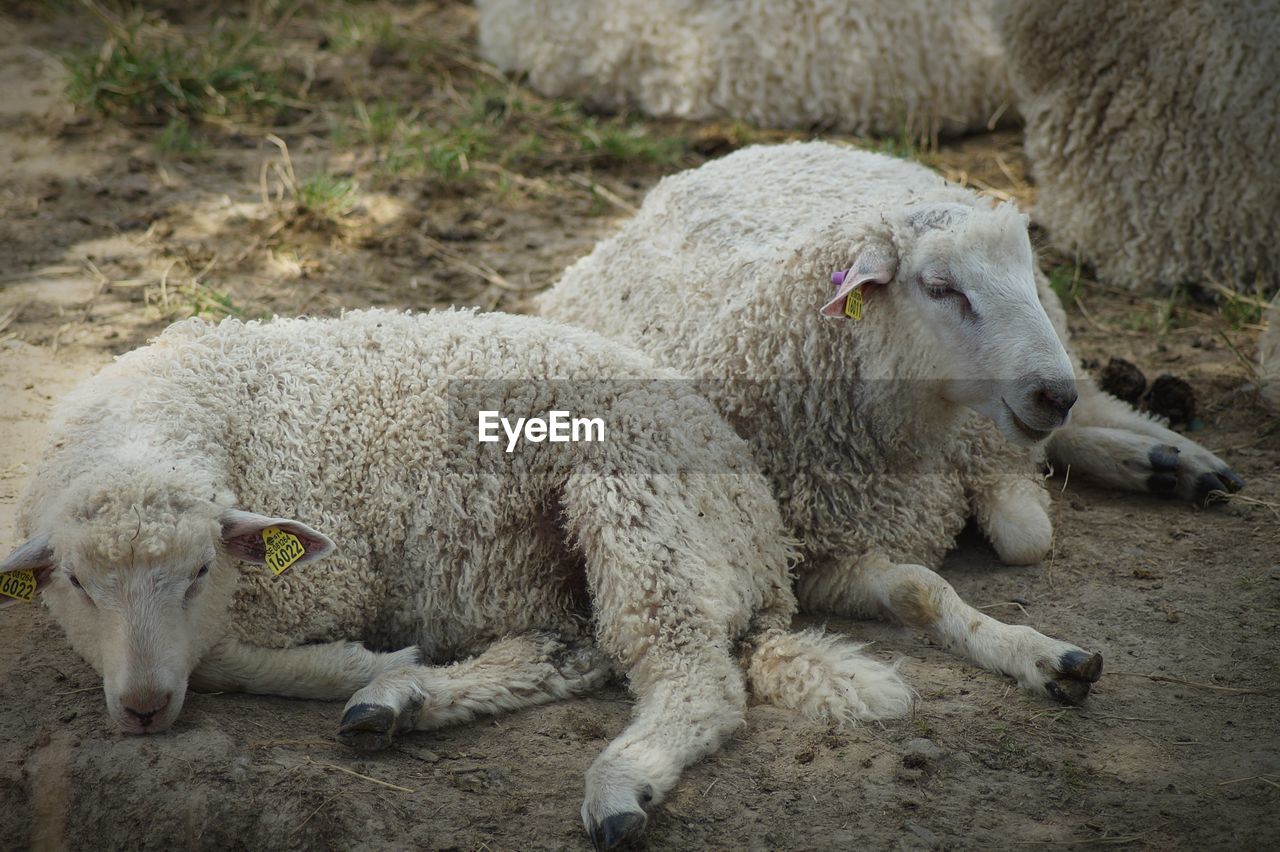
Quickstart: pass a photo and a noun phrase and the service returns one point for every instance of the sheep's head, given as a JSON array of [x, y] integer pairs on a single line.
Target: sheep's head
[[140, 571], [962, 285]]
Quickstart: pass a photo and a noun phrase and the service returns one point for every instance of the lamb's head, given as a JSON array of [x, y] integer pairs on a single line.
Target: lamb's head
[[961, 285], [139, 569]]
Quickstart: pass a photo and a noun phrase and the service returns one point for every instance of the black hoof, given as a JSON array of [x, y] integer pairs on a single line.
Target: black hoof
[[1076, 672], [1209, 486], [1163, 484], [1229, 478], [617, 829], [1068, 691], [1163, 458], [367, 727], [1081, 665]]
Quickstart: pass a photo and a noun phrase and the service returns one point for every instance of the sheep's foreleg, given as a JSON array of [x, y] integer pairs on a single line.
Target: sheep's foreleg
[[1012, 511], [1109, 441], [920, 598], [330, 671], [511, 674], [690, 698]]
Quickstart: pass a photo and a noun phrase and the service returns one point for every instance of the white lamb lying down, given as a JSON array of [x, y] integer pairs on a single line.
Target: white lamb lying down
[[865, 426], [658, 552], [923, 66]]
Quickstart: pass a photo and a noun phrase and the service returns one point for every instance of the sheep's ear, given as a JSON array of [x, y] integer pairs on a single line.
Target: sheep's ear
[[929, 217], [874, 265], [242, 537], [34, 555]]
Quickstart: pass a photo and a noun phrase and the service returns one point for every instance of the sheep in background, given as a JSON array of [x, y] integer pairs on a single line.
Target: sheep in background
[[1269, 356], [920, 67], [176, 470], [865, 427], [1152, 130]]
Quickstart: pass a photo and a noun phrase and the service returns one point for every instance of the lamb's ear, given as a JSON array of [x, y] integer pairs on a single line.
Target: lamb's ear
[[876, 264], [242, 536], [34, 555]]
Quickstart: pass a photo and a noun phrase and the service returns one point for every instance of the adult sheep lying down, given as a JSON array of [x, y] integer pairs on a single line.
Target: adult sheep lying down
[[1152, 128], [175, 473], [866, 426], [862, 66]]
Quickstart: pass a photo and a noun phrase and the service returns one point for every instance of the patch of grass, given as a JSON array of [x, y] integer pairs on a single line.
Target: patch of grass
[[327, 195], [194, 298], [1160, 315], [1065, 282], [215, 304], [178, 139], [616, 142], [146, 70], [353, 31], [901, 145], [1242, 309], [502, 129]]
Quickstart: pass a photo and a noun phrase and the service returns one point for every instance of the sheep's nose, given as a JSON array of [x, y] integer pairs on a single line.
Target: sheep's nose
[[143, 708], [1057, 397]]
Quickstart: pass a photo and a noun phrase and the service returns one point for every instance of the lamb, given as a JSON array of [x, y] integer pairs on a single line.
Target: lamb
[[921, 67], [1152, 129], [658, 552], [864, 426]]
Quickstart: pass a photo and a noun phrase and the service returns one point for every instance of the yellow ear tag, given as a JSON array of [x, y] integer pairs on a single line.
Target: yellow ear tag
[[282, 549], [853, 305], [20, 585]]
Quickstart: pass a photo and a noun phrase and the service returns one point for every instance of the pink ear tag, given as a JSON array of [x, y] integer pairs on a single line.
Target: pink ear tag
[[848, 298]]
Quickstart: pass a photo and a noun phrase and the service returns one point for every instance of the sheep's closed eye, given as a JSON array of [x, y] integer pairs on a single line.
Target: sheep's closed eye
[[195, 585], [941, 289], [75, 581]]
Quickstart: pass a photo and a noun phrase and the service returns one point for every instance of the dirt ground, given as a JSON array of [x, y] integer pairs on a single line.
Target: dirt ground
[[113, 225]]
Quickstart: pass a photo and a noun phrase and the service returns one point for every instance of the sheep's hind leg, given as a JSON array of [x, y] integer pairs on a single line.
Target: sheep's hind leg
[[522, 671], [920, 598], [691, 697]]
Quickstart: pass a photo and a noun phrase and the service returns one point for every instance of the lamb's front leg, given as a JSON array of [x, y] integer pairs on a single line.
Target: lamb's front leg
[[330, 671], [521, 671], [690, 697], [920, 598]]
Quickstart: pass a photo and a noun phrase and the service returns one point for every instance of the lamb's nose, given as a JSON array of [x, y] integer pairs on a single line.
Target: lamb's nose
[[144, 708], [1057, 397]]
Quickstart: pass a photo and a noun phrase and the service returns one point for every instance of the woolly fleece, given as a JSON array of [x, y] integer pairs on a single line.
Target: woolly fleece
[[1152, 129], [365, 428], [719, 275], [920, 67]]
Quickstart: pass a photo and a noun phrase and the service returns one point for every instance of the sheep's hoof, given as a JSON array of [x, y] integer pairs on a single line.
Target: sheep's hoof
[[1164, 461], [1220, 482], [616, 829], [1077, 671], [367, 727], [1173, 475]]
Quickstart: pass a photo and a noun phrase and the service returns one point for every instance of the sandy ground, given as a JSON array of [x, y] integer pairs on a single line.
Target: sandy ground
[[1177, 748]]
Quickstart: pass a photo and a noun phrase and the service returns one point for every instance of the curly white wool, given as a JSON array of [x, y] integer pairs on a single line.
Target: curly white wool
[[1152, 127], [916, 66]]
